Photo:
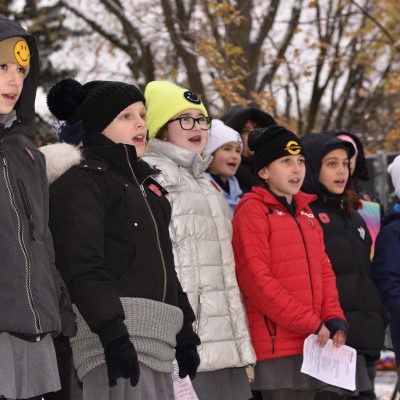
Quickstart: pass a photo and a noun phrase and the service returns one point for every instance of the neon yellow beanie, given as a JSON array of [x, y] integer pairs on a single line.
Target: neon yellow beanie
[[164, 100]]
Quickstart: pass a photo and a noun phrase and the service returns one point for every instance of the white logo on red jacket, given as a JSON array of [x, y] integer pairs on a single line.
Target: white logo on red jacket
[[278, 212], [308, 215]]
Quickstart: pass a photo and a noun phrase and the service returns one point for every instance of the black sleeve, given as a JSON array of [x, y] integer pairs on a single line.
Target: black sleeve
[[337, 324], [77, 225], [187, 335], [67, 315]]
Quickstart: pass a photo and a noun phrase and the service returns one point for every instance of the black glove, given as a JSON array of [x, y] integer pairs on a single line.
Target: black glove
[[188, 360], [121, 361]]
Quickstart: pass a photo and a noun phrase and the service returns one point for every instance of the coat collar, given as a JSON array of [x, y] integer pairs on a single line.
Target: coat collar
[[301, 199], [122, 156], [8, 119], [194, 162]]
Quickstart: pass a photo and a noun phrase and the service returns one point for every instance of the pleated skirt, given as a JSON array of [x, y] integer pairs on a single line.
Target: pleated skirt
[[27, 369], [284, 373], [224, 384], [152, 385]]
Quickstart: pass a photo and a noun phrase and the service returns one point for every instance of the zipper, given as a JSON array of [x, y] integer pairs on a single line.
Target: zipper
[[27, 207], [272, 334], [21, 242], [308, 261], [198, 312], [141, 187]]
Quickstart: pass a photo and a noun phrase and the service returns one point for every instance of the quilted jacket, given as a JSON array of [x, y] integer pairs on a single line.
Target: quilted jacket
[[200, 231], [283, 271]]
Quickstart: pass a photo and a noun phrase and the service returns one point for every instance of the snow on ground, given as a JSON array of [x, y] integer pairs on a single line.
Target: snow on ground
[[384, 385]]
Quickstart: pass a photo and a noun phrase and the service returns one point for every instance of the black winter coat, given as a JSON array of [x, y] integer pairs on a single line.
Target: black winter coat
[[386, 271], [109, 221], [348, 243]]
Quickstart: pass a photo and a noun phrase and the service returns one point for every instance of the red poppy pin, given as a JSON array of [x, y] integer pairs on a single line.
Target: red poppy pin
[[155, 189], [324, 218]]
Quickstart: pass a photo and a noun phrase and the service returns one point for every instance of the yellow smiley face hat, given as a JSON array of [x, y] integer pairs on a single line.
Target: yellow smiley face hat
[[15, 50], [164, 100]]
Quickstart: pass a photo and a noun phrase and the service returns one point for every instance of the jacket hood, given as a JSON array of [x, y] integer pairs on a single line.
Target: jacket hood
[[25, 106], [316, 147], [60, 157], [194, 162], [259, 193], [237, 116]]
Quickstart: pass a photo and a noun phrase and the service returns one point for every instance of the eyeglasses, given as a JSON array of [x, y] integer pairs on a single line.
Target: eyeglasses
[[187, 123]]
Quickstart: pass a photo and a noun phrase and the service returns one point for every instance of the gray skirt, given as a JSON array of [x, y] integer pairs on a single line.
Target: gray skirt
[[152, 385], [224, 384], [284, 373], [27, 369]]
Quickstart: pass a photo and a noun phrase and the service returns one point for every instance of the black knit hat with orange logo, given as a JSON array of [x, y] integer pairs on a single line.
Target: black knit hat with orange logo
[[272, 143]]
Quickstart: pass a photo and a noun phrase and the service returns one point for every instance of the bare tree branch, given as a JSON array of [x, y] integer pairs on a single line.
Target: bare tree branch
[[392, 40], [269, 75], [188, 57]]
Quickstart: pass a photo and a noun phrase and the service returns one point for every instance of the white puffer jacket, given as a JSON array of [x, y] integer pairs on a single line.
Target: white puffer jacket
[[201, 231]]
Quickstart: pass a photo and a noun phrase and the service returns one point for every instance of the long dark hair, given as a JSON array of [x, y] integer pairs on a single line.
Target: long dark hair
[[351, 198]]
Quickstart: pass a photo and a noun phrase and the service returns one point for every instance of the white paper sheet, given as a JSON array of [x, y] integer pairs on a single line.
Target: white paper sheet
[[330, 364], [183, 388]]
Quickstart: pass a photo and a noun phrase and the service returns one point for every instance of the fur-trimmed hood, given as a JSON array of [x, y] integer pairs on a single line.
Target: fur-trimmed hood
[[60, 157]]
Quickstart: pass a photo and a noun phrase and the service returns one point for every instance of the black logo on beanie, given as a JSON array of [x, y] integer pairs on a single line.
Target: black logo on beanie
[[192, 97]]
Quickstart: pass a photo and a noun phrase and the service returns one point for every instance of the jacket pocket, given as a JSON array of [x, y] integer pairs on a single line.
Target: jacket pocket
[[27, 207], [272, 329], [198, 312]]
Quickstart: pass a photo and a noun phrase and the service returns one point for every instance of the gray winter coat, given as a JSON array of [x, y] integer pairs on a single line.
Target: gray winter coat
[[31, 289]]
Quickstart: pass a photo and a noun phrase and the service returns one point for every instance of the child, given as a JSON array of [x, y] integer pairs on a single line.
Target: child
[[244, 120], [201, 236], [30, 287], [386, 267], [348, 245], [225, 145], [110, 220], [283, 271], [369, 207]]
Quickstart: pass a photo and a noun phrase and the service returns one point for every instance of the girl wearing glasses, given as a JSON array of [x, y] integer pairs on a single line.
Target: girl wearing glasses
[[200, 230]]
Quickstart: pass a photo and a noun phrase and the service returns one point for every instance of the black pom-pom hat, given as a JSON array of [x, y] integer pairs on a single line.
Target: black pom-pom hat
[[95, 103]]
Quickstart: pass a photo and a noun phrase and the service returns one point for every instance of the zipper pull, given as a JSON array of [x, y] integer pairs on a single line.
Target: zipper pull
[[143, 191], [31, 227], [3, 160]]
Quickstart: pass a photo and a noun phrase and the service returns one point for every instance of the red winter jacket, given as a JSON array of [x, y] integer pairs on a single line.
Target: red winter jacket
[[282, 269]]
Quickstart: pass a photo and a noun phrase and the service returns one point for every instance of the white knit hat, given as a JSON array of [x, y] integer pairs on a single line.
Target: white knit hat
[[221, 134], [394, 172]]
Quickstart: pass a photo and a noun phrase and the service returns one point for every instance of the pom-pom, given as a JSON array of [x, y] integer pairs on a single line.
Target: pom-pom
[[64, 98]]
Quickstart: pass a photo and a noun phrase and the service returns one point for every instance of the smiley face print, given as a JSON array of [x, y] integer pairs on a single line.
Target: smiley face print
[[192, 97], [22, 53]]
